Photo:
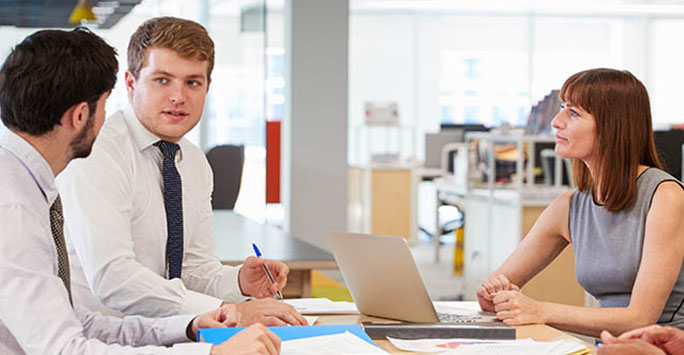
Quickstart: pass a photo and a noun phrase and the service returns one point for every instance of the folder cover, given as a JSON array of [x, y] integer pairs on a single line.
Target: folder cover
[[219, 335], [480, 330]]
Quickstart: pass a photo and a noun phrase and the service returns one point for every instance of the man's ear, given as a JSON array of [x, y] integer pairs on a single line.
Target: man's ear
[[129, 78], [76, 116]]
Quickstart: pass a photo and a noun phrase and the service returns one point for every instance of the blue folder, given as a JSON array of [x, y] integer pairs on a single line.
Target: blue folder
[[219, 335]]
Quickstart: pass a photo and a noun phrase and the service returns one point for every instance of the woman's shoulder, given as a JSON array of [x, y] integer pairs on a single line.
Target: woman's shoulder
[[664, 185], [670, 191], [656, 175], [566, 196]]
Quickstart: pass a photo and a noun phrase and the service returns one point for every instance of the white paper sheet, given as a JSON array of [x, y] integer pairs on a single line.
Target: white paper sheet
[[311, 320], [336, 344], [321, 306], [440, 345], [550, 348]]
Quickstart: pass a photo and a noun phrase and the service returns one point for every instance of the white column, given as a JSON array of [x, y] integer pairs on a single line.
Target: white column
[[314, 130]]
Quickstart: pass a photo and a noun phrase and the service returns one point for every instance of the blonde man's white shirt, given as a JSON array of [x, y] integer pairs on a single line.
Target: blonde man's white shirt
[[116, 231], [35, 314]]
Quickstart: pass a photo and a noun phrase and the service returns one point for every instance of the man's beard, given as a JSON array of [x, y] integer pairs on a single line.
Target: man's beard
[[82, 145]]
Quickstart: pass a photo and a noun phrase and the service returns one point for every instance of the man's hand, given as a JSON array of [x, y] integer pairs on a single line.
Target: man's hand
[[490, 287], [225, 316], [253, 340], [514, 308], [669, 339], [268, 312], [253, 279], [629, 347]]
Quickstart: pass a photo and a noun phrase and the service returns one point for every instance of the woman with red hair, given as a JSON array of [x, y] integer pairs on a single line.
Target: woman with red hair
[[625, 220]]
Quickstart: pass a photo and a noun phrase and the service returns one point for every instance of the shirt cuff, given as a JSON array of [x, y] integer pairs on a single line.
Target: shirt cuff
[[175, 329], [198, 303], [234, 294]]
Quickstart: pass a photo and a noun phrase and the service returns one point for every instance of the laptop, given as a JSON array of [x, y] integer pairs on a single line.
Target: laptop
[[384, 281]]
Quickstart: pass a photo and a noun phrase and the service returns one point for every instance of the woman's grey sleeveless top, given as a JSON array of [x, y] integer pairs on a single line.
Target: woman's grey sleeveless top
[[608, 247]]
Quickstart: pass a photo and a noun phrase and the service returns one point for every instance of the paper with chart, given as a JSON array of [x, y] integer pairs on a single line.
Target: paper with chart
[[491, 347], [336, 344], [561, 347], [440, 345]]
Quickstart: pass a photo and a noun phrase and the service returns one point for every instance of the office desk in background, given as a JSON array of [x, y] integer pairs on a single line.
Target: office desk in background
[[234, 237]]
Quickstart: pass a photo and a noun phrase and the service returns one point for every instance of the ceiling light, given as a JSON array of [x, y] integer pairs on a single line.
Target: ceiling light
[[83, 12]]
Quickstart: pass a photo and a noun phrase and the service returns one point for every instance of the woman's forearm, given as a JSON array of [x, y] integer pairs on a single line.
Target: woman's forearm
[[591, 321]]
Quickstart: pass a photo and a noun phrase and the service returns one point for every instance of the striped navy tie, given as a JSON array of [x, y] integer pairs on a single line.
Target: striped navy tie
[[173, 203], [57, 227]]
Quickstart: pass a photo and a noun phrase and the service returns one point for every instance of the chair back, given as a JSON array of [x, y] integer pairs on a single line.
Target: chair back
[[226, 162]]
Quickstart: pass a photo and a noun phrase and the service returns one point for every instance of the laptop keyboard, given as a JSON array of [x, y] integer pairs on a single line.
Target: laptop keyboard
[[456, 318]]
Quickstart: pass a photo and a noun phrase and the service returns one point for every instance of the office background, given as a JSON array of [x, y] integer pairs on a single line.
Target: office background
[[313, 66]]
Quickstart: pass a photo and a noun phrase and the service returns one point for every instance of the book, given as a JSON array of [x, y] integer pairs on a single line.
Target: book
[[480, 330]]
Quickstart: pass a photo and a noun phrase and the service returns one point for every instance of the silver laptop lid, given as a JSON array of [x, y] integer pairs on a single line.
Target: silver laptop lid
[[382, 277]]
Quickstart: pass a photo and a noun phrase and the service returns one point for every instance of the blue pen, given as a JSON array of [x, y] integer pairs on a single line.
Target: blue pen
[[268, 273]]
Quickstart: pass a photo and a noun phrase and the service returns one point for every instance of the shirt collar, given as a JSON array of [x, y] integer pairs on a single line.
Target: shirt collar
[[33, 162], [142, 137]]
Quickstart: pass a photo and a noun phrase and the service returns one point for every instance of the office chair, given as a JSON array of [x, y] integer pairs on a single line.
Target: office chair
[[226, 162], [669, 147]]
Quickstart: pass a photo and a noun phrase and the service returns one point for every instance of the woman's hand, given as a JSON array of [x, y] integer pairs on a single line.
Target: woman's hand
[[514, 308], [490, 287]]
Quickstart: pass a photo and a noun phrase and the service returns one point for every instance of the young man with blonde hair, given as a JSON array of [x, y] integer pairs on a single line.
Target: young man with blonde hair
[[139, 210], [53, 88]]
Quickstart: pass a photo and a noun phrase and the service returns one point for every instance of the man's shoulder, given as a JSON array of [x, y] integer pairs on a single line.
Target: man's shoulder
[[109, 153], [115, 141], [191, 150], [114, 132], [194, 163], [15, 181]]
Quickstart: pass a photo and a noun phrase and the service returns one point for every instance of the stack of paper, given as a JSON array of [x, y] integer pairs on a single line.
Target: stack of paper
[[321, 306], [343, 343], [494, 347]]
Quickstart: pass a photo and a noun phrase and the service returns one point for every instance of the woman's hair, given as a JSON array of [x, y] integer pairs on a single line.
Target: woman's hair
[[624, 133]]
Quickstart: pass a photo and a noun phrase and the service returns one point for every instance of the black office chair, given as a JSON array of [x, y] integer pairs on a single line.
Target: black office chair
[[226, 162]]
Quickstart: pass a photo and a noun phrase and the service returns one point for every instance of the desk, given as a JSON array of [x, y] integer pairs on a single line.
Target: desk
[[537, 332], [382, 199], [234, 237]]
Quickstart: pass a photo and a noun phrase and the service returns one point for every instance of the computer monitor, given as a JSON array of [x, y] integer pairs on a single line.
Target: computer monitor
[[434, 142]]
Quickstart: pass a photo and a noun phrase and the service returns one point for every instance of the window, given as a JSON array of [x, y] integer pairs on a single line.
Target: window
[[459, 62]]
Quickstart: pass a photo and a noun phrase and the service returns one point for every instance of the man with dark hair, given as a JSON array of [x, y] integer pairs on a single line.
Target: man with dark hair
[[139, 210], [53, 88]]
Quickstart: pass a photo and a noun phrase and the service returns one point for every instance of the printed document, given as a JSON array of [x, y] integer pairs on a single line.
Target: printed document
[[336, 344]]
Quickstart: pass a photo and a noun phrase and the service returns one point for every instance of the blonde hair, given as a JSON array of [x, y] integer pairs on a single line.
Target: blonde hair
[[187, 38]]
